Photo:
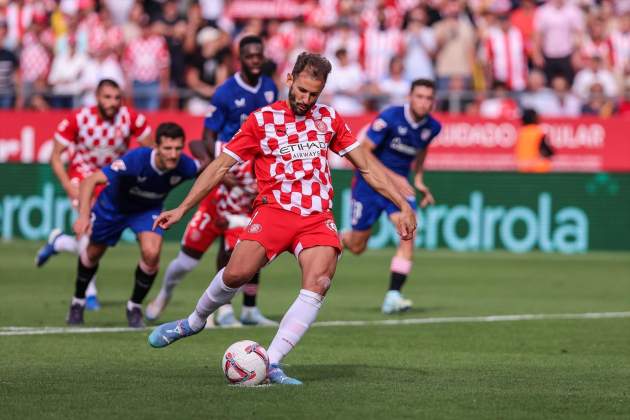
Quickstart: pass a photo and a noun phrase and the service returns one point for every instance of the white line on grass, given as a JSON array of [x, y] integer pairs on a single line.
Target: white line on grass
[[12, 331]]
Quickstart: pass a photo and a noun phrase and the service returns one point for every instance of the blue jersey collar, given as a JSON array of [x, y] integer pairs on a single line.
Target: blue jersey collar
[[242, 84], [410, 119]]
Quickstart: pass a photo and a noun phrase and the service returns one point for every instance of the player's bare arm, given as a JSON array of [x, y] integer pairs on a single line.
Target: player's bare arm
[[60, 171], [418, 179], [377, 179], [400, 182], [210, 140], [207, 180], [82, 224]]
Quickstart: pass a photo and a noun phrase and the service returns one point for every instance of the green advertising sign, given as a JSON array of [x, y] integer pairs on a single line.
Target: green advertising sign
[[475, 211]]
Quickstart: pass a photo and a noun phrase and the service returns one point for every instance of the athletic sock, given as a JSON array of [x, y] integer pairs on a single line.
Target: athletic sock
[[143, 284], [250, 290], [294, 324], [175, 273], [216, 294], [91, 289], [400, 268], [66, 243], [84, 275]]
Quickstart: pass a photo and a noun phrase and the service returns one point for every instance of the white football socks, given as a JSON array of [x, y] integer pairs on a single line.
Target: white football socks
[[66, 243], [216, 294], [91, 289], [294, 324], [175, 273]]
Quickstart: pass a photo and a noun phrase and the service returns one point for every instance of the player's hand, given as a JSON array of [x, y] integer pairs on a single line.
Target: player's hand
[[229, 180], [403, 186], [82, 226], [168, 218], [427, 197], [407, 223]]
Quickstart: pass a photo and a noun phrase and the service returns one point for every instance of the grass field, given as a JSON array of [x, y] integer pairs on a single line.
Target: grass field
[[530, 369]]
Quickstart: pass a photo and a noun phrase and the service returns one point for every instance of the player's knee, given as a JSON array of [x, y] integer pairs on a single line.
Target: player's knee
[[235, 276], [151, 257], [320, 284], [356, 247]]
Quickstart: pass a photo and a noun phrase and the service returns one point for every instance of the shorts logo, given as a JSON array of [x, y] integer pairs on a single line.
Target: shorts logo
[[254, 228], [331, 225], [321, 126], [175, 179], [118, 165]]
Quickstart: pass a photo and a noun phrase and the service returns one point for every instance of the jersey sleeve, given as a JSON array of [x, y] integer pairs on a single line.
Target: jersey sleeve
[[246, 142], [217, 112], [435, 130], [139, 125], [126, 165], [67, 130], [343, 141], [379, 129], [190, 167]]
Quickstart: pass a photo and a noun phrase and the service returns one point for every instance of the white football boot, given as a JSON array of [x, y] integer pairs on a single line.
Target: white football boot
[[395, 303]]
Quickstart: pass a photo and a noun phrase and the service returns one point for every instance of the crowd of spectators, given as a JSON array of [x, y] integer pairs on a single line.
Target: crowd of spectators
[[490, 58]]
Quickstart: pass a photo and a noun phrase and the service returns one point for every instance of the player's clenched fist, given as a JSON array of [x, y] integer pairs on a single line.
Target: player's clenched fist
[[81, 226], [168, 218]]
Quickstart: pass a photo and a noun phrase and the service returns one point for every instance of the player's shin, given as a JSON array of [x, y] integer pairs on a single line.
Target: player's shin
[[294, 324], [144, 277], [85, 272], [216, 295], [175, 273], [400, 269]]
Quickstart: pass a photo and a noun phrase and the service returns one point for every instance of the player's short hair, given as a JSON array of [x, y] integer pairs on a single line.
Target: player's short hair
[[428, 83], [317, 66], [530, 116], [171, 130], [107, 82], [249, 39]]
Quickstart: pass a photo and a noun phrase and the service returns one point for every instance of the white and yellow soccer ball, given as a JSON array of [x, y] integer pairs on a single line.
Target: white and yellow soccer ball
[[245, 363]]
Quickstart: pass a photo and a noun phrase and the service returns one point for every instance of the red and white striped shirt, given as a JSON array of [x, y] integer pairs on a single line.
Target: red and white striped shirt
[[291, 155], [507, 57], [378, 48], [620, 50], [146, 57]]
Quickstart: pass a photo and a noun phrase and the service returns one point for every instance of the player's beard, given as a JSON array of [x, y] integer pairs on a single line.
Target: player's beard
[[295, 106], [107, 113]]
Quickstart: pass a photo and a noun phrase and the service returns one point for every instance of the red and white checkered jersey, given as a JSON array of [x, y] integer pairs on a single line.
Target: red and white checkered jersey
[[146, 57], [291, 155], [96, 142], [238, 200]]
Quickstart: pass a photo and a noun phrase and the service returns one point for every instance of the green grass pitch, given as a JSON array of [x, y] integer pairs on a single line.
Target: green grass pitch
[[540, 369]]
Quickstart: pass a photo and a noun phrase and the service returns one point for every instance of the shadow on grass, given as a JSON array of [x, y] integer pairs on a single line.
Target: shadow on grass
[[317, 373]]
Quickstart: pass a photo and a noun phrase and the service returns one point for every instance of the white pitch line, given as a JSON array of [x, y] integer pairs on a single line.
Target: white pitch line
[[13, 331]]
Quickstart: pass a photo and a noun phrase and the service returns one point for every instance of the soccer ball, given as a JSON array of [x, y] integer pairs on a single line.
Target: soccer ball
[[245, 363]]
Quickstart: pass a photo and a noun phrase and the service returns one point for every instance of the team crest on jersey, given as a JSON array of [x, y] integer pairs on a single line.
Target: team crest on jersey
[[331, 225], [240, 103], [269, 96], [210, 111], [379, 124], [142, 178], [175, 179], [402, 130], [425, 134], [321, 126], [254, 228], [118, 165]]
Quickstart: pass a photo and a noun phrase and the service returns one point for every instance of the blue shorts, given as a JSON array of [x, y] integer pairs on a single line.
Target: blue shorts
[[367, 206], [108, 226]]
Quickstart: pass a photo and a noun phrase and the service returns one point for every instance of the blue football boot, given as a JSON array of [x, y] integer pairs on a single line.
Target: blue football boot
[[47, 250], [277, 376], [170, 332]]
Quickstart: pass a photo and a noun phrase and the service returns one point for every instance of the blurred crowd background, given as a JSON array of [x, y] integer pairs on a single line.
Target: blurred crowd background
[[490, 58]]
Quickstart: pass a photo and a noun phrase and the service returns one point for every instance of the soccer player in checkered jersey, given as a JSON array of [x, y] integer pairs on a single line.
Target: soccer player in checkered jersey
[[398, 139], [289, 142], [95, 137], [231, 104]]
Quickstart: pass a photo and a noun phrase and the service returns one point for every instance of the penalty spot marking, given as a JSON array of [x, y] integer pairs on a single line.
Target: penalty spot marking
[[13, 331]]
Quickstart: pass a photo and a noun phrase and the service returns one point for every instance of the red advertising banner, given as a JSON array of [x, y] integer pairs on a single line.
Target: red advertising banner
[[465, 143]]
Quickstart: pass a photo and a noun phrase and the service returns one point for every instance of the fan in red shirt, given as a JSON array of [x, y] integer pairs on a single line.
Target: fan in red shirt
[[95, 137], [288, 142]]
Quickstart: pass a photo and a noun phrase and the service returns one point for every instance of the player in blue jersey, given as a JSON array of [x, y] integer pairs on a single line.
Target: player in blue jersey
[[230, 106], [399, 139], [137, 184]]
